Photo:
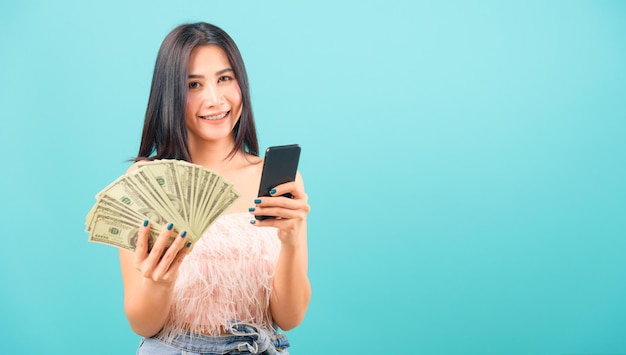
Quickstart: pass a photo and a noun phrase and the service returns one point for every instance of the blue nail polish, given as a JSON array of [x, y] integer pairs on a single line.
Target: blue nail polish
[[251, 209], [145, 223], [188, 244], [252, 221], [183, 234], [257, 201], [272, 191], [170, 226]]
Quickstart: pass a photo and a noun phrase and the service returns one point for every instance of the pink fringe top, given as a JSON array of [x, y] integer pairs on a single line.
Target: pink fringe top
[[227, 276]]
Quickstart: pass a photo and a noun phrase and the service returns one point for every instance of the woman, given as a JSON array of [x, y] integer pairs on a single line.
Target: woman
[[245, 278]]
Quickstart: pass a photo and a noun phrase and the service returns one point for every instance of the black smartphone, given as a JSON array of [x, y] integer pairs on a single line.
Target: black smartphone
[[279, 166]]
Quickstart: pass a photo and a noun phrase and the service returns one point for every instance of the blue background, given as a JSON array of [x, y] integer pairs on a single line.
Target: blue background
[[465, 164]]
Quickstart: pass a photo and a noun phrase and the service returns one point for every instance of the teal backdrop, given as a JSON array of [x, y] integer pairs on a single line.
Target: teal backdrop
[[465, 163]]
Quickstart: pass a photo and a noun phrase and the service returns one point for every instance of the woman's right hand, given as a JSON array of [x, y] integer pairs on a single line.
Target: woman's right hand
[[161, 264]]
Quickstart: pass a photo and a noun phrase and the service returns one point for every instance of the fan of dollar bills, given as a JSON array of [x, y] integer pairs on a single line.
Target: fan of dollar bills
[[161, 191]]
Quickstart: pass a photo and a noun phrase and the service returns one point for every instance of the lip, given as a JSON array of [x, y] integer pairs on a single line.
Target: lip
[[226, 115]]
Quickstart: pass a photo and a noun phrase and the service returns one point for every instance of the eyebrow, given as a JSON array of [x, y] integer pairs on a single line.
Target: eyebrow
[[219, 72]]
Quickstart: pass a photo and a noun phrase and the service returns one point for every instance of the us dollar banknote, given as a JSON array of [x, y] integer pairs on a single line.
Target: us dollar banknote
[[160, 191]]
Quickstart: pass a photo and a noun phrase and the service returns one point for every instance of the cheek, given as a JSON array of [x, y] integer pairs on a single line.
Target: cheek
[[190, 101], [190, 106], [236, 102], [235, 97]]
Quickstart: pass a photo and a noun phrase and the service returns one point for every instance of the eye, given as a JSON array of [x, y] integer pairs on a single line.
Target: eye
[[194, 85], [224, 78]]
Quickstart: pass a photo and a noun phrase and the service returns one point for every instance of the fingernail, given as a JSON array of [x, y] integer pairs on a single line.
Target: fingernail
[[183, 234], [272, 191], [251, 209], [252, 221], [170, 226], [145, 223], [188, 244], [257, 201]]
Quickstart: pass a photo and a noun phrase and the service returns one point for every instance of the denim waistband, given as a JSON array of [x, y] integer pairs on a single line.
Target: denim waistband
[[245, 338]]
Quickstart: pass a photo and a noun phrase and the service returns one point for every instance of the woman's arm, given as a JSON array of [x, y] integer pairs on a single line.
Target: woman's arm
[[149, 279], [291, 291]]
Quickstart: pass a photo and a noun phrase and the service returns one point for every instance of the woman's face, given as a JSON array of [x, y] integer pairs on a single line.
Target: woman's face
[[213, 96]]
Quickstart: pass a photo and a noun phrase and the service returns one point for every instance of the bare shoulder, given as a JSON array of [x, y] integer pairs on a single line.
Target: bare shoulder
[[253, 159], [245, 175], [134, 166], [251, 165], [131, 168]]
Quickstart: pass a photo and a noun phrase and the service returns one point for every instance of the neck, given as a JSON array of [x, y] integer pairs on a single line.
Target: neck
[[213, 155]]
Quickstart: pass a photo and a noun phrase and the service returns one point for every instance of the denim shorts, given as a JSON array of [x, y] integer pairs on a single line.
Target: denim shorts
[[244, 339]]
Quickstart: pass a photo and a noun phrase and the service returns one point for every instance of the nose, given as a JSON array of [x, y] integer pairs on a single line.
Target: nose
[[212, 96]]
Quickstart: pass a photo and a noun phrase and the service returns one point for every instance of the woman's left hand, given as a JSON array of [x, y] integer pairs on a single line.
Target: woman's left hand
[[288, 213]]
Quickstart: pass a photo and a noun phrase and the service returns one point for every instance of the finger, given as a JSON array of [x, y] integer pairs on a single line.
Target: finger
[[286, 188], [160, 245], [280, 212], [288, 203], [169, 256], [285, 224], [141, 250], [267, 206], [172, 272]]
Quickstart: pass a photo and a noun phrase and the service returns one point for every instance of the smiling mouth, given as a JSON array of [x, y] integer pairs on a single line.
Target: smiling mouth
[[216, 117]]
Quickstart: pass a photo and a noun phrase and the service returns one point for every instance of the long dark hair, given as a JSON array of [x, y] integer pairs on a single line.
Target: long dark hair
[[164, 133]]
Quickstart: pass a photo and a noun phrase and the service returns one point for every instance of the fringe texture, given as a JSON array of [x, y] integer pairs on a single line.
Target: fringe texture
[[227, 276]]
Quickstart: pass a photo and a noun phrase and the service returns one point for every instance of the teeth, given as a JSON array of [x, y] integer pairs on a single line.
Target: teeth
[[214, 118]]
